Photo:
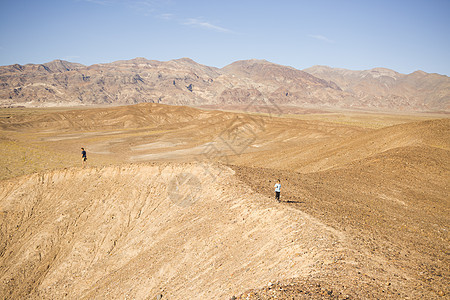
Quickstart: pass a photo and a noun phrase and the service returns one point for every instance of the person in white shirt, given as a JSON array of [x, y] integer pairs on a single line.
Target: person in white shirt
[[277, 190]]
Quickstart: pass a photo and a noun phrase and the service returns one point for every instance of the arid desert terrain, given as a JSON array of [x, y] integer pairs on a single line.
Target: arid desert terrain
[[178, 202]]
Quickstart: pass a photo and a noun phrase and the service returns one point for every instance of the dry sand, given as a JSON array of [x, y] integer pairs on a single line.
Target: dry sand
[[179, 202]]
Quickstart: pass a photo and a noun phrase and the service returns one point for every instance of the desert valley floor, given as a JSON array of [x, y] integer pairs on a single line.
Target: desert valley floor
[[178, 202]]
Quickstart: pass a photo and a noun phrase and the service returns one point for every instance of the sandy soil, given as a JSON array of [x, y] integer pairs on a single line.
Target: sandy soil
[[179, 202]]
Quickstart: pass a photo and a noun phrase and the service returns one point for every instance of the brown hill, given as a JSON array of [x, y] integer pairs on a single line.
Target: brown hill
[[125, 117], [367, 216], [122, 82], [265, 71], [394, 205], [51, 67], [186, 82], [125, 231], [280, 84], [338, 150], [382, 186], [384, 88]]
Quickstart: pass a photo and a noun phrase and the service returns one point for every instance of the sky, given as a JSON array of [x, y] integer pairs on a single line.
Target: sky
[[403, 35]]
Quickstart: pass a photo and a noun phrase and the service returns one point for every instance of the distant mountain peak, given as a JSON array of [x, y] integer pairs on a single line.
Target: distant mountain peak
[[252, 61], [139, 59], [257, 61], [320, 67], [185, 59], [383, 71], [383, 87], [59, 65], [184, 81], [419, 72]]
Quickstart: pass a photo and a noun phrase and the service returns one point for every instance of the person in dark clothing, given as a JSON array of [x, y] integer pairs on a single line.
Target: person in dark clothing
[[83, 156]]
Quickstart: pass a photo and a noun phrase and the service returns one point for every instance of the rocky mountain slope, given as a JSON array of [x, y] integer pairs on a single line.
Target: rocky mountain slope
[[185, 82], [384, 87]]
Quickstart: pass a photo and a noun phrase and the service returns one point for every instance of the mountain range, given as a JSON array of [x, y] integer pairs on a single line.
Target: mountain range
[[185, 82]]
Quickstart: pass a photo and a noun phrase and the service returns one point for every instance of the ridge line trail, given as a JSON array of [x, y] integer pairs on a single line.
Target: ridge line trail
[[130, 237]]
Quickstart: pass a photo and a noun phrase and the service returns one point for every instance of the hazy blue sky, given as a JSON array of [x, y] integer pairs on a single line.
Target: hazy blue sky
[[404, 35]]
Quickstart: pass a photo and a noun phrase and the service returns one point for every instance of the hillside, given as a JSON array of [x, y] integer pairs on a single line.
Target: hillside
[[178, 201], [350, 146], [381, 87], [242, 83], [79, 234], [393, 205]]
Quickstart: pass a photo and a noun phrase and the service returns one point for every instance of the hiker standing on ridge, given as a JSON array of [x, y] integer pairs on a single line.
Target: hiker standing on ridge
[[83, 157], [277, 190]]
